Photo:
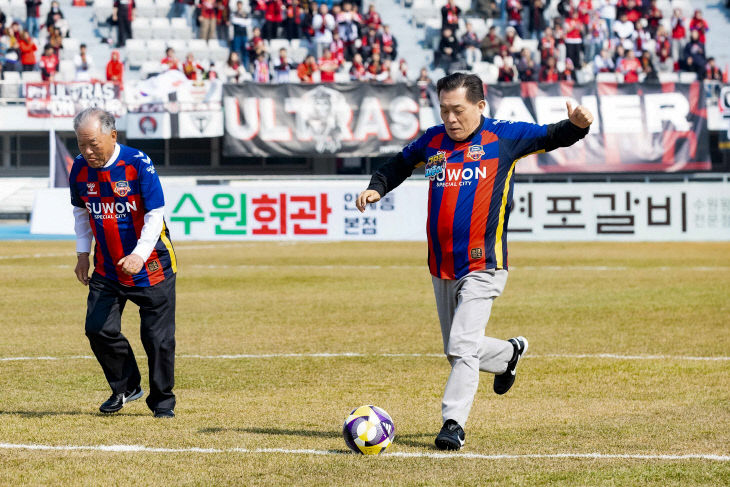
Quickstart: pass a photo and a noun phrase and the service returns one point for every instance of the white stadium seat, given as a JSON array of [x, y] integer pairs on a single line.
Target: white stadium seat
[[141, 28], [67, 70], [11, 85], [136, 52], [145, 8], [199, 48], [160, 28], [162, 7], [687, 77], [179, 28], [180, 47], [156, 49], [216, 52], [70, 47], [31, 76], [102, 10], [276, 44]]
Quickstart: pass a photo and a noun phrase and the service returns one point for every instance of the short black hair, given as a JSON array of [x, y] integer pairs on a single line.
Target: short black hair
[[454, 81]]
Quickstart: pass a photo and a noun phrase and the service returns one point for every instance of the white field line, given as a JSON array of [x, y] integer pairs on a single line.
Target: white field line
[[472, 456], [512, 268], [609, 356]]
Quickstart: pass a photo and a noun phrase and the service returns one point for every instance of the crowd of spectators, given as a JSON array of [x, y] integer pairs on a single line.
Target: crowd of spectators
[[630, 37], [338, 39]]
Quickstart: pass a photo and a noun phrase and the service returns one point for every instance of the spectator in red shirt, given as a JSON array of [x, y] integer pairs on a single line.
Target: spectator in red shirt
[[654, 18], [679, 33], [547, 45], [372, 19], [27, 51], [170, 61], [327, 66], [514, 15], [306, 69], [208, 20], [48, 64], [633, 12], [192, 69], [114, 68], [337, 48], [506, 72], [548, 72], [574, 37], [630, 67], [274, 17], [700, 25], [450, 16]]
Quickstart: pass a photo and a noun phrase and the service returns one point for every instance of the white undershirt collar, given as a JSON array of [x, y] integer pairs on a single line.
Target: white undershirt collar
[[114, 155]]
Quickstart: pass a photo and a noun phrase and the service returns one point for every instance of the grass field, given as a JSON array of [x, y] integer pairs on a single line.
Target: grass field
[[660, 310]]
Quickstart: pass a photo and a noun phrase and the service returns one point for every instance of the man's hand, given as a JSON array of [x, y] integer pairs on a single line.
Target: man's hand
[[131, 264], [82, 268], [367, 196], [580, 116]]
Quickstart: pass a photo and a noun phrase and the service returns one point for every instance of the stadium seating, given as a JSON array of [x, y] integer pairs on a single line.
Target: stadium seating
[[160, 27]]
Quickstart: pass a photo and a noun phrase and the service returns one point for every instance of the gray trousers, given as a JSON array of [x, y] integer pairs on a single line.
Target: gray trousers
[[463, 307]]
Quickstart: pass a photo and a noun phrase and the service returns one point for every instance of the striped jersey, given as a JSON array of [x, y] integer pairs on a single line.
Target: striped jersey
[[470, 188], [117, 198]]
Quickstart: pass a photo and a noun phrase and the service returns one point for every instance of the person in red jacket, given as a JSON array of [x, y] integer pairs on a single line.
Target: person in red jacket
[[630, 67], [574, 37], [192, 69], [48, 64], [306, 69], [114, 68], [27, 51], [548, 72], [327, 66], [679, 33], [274, 16], [699, 24]]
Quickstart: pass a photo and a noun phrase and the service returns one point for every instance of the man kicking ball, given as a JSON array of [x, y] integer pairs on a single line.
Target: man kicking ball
[[470, 162]]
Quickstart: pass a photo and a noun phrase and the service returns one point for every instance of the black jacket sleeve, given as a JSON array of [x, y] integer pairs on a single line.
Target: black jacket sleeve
[[563, 134], [391, 174]]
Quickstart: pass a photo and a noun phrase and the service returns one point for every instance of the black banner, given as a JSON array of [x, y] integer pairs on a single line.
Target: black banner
[[637, 127], [354, 119]]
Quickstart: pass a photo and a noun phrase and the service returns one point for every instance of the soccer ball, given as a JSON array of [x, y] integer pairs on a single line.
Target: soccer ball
[[368, 430]]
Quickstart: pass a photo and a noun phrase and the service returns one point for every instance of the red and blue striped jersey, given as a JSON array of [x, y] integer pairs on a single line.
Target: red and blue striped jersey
[[117, 198], [471, 186]]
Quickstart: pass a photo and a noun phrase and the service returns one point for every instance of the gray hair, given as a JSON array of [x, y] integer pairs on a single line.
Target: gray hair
[[106, 119]]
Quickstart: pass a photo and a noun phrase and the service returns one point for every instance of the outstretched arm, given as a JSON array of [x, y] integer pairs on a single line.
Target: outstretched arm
[[385, 179]]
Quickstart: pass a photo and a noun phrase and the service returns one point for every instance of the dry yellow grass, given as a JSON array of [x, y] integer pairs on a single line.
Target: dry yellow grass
[[268, 298]]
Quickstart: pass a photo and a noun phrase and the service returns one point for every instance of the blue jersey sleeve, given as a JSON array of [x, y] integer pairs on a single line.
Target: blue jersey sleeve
[[73, 186], [522, 138], [413, 153], [149, 184]]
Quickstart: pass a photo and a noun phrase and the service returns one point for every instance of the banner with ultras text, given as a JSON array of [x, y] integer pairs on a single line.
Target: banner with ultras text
[[325, 210], [637, 127]]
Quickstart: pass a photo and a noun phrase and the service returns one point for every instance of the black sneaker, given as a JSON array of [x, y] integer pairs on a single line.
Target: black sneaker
[[504, 381], [451, 436], [164, 413], [117, 401]]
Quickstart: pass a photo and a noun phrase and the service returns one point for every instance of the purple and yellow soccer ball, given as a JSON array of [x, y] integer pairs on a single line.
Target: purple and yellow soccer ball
[[368, 430]]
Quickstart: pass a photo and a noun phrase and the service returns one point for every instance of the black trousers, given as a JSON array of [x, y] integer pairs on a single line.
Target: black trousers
[[104, 329], [124, 29]]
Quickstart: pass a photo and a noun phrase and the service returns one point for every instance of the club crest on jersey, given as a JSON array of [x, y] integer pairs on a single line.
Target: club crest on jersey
[[91, 189], [153, 266], [435, 164], [475, 152], [121, 188], [476, 253]]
